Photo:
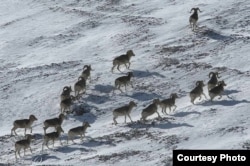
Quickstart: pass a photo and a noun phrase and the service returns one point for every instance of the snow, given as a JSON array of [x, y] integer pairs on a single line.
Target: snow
[[45, 44]]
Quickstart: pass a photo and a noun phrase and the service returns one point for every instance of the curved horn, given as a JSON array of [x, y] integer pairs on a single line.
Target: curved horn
[[192, 9], [65, 88], [217, 74], [198, 9], [80, 78], [85, 66], [211, 73]]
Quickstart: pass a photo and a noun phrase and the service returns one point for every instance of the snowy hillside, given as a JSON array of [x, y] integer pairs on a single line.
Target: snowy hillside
[[45, 44]]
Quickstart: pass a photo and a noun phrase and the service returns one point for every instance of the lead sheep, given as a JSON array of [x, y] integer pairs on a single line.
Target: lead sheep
[[194, 18], [122, 60], [23, 123], [86, 72]]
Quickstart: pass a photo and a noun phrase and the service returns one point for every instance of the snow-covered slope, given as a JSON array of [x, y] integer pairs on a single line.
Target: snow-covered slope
[[45, 44]]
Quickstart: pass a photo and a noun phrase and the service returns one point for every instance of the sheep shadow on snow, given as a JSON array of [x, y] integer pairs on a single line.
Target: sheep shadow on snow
[[69, 148], [229, 92], [224, 102], [104, 88], [142, 74], [44, 157], [183, 114], [97, 99], [153, 124], [211, 33], [142, 96], [95, 142]]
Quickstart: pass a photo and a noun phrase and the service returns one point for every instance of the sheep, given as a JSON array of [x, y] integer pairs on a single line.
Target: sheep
[[23, 123], [23, 144], [65, 104], [124, 80], [122, 59], [194, 18], [169, 103], [197, 91], [66, 93], [52, 136], [217, 91], [86, 71], [80, 130], [124, 111], [53, 122], [150, 110], [79, 86], [213, 80]]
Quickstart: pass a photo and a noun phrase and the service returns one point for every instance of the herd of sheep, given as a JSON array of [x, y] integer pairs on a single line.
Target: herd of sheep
[[215, 88]]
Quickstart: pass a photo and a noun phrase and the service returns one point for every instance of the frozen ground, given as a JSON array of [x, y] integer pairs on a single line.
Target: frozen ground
[[45, 43]]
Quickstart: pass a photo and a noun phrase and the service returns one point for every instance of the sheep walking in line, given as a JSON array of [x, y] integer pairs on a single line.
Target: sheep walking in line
[[124, 111], [122, 60], [194, 18]]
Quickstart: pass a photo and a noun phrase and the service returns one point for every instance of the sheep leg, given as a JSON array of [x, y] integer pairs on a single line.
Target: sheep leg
[[44, 128], [30, 129], [60, 141], [131, 84], [125, 118], [169, 109], [192, 100], [19, 153], [204, 95], [114, 119], [13, 129], [162, 110], [158, 114], [128, 65], [47, 145], [112, 70], [24, 152], [120, 88], [15, 154], [118, 68], [174, 107], [24, 131], [165, 110], [30, 149], [130, 118], [81, 137]]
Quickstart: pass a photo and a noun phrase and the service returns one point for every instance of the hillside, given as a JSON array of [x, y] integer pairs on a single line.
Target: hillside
[[45, 44]]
